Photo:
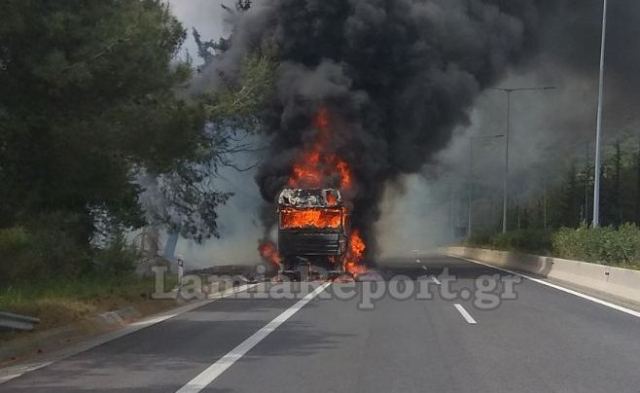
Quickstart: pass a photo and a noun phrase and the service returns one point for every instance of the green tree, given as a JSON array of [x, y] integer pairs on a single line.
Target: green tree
[[87, 98], [92, 114], [234, 110]]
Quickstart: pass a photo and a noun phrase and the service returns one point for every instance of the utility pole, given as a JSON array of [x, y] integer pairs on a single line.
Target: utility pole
[[597, 163], [505, 196]]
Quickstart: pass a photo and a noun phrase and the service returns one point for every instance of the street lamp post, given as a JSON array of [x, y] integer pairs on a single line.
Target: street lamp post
[[597, 163], [505, 191], [470, 182]]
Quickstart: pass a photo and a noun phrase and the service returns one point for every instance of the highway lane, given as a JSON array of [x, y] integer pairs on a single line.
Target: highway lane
[[160, 358], [543, 341]]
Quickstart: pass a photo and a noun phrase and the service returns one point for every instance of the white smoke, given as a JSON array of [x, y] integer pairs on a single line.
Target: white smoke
[[239, 218], [206, 16]]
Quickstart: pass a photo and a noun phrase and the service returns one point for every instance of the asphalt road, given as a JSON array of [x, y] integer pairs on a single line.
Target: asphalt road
[[544, 340]]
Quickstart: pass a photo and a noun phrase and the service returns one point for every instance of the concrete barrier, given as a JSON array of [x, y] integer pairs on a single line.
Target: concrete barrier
[[614, 281]]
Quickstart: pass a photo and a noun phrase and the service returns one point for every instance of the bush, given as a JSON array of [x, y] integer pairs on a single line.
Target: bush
[[480, 239], [526, 240], [50, 251], [13, 240], [533, 241], [607, 245], [118, 259], [15, 246]]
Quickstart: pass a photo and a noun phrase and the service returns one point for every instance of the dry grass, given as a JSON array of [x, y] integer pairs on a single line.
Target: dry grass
[[61, 303]]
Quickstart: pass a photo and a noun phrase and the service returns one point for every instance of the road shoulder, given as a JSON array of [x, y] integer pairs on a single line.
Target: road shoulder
[[77, 338]]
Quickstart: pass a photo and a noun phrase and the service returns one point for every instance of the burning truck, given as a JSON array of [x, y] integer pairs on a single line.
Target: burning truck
[[313, 231], [313, 215]]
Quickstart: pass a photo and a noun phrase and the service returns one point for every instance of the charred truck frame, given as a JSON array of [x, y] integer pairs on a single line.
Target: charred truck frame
[[313, 231]]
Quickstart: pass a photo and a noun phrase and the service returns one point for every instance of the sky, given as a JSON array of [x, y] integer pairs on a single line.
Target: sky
[[207, 16]]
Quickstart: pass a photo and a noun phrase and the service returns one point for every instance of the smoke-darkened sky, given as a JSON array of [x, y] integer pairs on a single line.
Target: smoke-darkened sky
[[405, 77], [396, 76]]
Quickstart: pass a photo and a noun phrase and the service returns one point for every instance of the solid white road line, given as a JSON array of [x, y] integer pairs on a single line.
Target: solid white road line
[[558, 287], [467, 317], [435, 280], [216, 369]]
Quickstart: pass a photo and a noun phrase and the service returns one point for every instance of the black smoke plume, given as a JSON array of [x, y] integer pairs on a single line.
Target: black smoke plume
[[395, 75]]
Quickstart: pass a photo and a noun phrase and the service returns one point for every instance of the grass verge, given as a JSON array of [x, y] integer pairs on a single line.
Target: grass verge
[[61, 302]]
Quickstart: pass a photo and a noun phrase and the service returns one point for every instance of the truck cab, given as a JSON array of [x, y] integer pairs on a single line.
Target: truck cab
[[313, 231]]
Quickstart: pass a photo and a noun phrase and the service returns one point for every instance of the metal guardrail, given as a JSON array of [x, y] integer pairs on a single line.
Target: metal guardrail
[[10, 321]]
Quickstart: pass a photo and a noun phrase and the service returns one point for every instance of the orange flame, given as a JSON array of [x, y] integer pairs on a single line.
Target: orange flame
[[353, 262], [332, 199], [269, 253], [322, 121], [317, 166], [310, 218]]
